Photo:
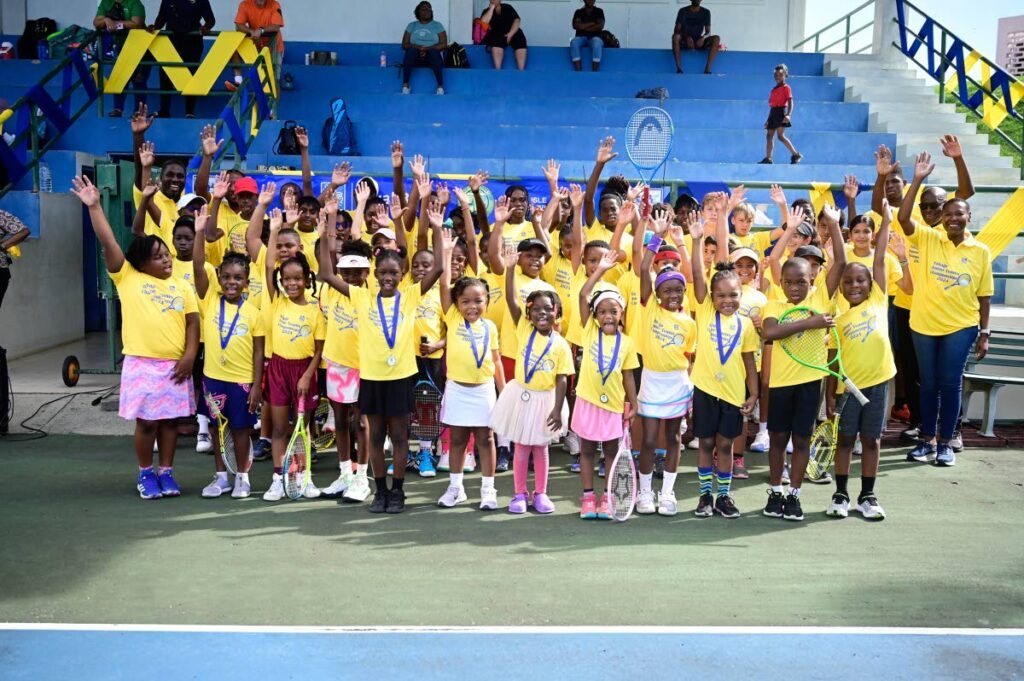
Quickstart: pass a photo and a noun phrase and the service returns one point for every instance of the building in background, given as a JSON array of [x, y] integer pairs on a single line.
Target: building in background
[[1010, 45]]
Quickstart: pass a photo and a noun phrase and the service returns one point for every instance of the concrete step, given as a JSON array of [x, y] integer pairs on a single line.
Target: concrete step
[[935, 125], [915, 109], [970, 140], [872, 94], [980, 175], [871, 71], [986, 156]]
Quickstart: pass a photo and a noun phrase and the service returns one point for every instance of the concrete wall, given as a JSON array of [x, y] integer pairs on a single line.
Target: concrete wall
[[43, 306], [743, 24]]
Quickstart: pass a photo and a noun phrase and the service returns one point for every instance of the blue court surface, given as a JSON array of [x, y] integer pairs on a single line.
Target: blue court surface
[[164, 652]]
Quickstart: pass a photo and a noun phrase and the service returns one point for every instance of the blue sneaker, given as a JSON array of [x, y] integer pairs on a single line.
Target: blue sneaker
[[148, 486], [921, 453], [425, 464], [575, 465], [600, 474], [261, 450], [945, 455], [168, 485]]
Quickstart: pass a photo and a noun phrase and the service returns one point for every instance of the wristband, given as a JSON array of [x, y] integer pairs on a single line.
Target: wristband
[[904, 262], [120, 26], [654, 244], [984, 332]]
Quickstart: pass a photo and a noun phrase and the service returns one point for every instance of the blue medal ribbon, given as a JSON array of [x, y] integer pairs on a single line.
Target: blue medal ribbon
[[224, 340], [724, 354], [528, 371], [390, 334], [600, 356], [472, 342]]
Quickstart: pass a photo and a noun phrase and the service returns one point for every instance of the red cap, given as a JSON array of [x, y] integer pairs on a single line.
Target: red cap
[[246, 184]]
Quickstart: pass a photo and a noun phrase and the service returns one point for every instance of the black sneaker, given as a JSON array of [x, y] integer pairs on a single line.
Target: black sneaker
[[791, 508], [261, 450], [380, 502], [705, 506], [773, 509], [504, 459], [659, 465], [725, 507], [396, 501]]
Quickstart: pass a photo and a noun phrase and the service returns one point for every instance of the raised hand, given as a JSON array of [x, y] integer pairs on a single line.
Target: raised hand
[[276, 219], [551, 171], [418, 167], [634, 192], [796, 217], [149, 191], [883, 160], [436, 216], [321, 223], [291, 216], [331, 204], [923, 165], [511, 258], [201, 216], [951, 146], [605, 150], [536, 213], [444, 195], [831, 212], [147, 154], [341, 173], [208, 140], [396, 208], [267, 194], [85, 190], [736, 197], [289, 202], [675, 232], [141, 120], [425, 185], [462, 197], [362, 192], [660, 221], [608, 261], [627, 211], [379, 216], [397, 154], [898, 245], [576, 196], [501, 210], [851, 187], [777, 195], [478, 180], [721, 202], [302, 137], [696, 228], [221, 186], [886, 213]]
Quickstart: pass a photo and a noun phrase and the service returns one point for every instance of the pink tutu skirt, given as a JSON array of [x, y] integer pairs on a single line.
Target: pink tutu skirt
[[148, 390], [592, 423], [521, 415]]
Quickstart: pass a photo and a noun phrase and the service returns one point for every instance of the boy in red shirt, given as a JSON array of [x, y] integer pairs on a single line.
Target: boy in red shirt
[[780, 103]]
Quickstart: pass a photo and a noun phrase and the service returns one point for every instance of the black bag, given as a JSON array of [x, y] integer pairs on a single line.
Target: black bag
[[456, 58], [35, 30], [653, 93], [5, 395], [287, 143], [322, 58], [609, 39]]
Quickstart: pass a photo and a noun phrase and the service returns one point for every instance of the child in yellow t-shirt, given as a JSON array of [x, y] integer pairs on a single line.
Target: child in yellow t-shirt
[[160, 335]]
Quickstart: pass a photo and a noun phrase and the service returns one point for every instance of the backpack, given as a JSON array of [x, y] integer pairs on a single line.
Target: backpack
[[338, 137], [35, 30], [609, 39], [70, 38], [287, 144], [456, 58]]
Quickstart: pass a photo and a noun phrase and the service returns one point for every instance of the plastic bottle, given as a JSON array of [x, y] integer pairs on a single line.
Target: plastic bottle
[[43, 50], [383, 59], [45, 177]]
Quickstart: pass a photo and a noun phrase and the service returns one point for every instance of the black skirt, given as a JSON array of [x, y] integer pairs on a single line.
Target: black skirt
[[387, 398], [776, 118]]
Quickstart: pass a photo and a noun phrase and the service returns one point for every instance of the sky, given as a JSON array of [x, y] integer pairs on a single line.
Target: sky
[[974, 22]]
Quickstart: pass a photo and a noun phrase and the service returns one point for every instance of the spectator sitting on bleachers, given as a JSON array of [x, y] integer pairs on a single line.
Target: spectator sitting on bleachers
[[589, 24], [117, 17], [188, 21], [693, 32], [504, 32], [263, 21], [424, 42]]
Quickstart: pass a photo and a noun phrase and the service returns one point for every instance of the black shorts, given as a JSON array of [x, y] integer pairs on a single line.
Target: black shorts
[[387, 398], [704, 48], [794, 408], [777, 118], [714, 416], [495, 39]]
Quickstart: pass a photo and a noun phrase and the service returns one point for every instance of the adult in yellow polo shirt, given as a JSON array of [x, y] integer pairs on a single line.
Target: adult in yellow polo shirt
[[951, 301]]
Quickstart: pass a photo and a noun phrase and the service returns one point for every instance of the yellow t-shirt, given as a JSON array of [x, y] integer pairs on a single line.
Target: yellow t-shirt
[[574, 331], [309, 240], [953, 277], [461, 360], [495, 297], [234, 227], [759, 241], [256, 276], [728, 381], [590, 386], [168, 215], [864, 337], [785, 371], [558, 272], [512, 234], [753, 302], [153, 312], [429, 318], [373, 361], [234, 362], [341, 345], [599, 232], [893, 269], [524, 287], [666, 337], [183, 270], [293, 329], [629, 287], [546, 364]]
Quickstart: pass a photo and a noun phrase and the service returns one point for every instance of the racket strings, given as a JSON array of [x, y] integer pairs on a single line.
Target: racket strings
[[811, 346], [649, 137], [622, 488]]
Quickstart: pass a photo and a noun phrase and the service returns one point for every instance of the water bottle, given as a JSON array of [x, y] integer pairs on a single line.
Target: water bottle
[[383, 59], [43, 50], [45, 177]]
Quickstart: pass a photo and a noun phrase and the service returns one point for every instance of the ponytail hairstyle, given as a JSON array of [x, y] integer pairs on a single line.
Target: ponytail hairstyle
[[462, 283], [232, 258], [724, 272], [382, 255]]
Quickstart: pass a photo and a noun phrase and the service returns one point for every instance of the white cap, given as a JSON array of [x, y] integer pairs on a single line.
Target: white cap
[[385, 232], [189, 198], [355, 262]]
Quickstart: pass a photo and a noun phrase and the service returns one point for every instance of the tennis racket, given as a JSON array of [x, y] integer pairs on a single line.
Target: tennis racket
[[322, 438], [649, 135], [963, 280], [621, 481], [177, 304], [675, 340], [426, 419], [297, 456], [823, 443], [224, 436], [302, 332], [810, 349]]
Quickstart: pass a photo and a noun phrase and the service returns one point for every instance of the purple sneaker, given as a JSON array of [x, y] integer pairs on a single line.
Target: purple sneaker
[[148, 486], [168, 485], [518, 504], [542, 503]]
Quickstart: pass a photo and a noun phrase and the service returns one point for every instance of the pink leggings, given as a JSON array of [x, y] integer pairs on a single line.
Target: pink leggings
[[521, 467]]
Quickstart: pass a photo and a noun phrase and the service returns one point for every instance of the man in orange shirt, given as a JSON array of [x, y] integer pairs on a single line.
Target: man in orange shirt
[[263, 21]]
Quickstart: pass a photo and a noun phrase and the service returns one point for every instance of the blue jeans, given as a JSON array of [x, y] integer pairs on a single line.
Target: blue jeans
[[579, 42], [432, 59], [942, 360]]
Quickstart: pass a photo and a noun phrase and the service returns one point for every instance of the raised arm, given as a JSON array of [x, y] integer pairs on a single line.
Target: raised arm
[[441, 252], [627, 214], [210, 145], [951, 148], [276, 222], [923, 167], [359, 216], [850, 190], [881, 240], [794, 220], [145, 203], [605, 154], [779, 199], [327, 273], [607, 262], [339, 178], [445, 285], [254, 232], [898, 245], [397, 165], [576, 253], [883, 166], [425, 188], [511, 295], [220, 190], [659, 224], [89, 195], [140, 122], [830, 214], [419, 173], [473, 257], [302, 137], [700, 287], [551, 170], [494, 244], [202, 281]]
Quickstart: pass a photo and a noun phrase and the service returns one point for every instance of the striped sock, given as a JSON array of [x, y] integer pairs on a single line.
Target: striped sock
[[724, 482], [705, 476]]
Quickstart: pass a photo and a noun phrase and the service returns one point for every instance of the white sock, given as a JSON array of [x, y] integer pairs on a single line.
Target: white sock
[[425, 445], [455, 479], [361, 469], [344, 466], [795, 491], [762, 427], [503, 441], [645, 481], [777, 489], [668, 483], [265, 439], [204, 424], [238, 79], [242, 476], [222, 476], [486, 482]]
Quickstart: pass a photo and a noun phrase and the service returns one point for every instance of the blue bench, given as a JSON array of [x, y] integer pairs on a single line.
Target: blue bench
[[988, 376]]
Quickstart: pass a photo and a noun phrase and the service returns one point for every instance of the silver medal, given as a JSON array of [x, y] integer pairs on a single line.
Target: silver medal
[[604, 399], [392, 360], [720, 377], [525, 397]]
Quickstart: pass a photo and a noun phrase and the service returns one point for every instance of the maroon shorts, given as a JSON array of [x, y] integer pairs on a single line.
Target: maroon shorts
[[283, 376]]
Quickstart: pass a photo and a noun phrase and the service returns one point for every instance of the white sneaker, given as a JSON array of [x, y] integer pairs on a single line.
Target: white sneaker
[[452, 496], [276, 491], [216, 488], [789, 446], [358, 490], [667, 503], [760, 443], [858, 448], [470, 464], [440, 90], [338, 487], [488, 499], [443, 463], [839, 507], [785, 475], [204, 444], [311, 491], [156, 446], [242, 489], [693, 444], [405, 89], [645, 502], [871, 509], [572, 443]]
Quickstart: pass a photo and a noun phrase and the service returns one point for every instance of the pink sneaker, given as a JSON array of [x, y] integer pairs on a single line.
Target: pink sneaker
[[518, 504], [542, 503], [604, 513], [588, 506]]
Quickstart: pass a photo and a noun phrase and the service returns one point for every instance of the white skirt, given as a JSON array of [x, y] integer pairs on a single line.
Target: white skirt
[[665, 394], [467, 406], [521, 415]]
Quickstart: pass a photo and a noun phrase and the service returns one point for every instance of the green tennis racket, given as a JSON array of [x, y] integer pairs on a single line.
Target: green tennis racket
[[297, 456], [810, 348]]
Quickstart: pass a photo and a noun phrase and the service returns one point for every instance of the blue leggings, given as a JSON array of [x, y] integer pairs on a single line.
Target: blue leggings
[[942, 360]]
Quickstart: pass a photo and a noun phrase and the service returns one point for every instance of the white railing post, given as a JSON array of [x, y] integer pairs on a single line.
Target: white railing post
[[886, 31]]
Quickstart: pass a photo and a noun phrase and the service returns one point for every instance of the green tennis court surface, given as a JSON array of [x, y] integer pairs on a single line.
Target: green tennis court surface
[[81, 547]]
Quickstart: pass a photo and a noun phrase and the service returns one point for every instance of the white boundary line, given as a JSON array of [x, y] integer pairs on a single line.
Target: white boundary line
[[529, 630]]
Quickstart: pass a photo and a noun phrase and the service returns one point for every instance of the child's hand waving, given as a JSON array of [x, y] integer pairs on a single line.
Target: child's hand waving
[[267, 194], [85, 190]]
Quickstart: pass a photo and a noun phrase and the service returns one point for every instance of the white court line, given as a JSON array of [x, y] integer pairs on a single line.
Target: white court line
[[506, 630]]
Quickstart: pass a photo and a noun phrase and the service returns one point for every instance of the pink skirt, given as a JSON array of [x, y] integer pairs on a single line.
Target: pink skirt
[[525, 421], [148, 390], [342, 383], [592, 423]]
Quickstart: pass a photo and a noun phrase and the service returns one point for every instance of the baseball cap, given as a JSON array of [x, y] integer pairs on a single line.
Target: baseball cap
[[527, 244], [805, 228], [189, 198], [353, 262], [246, 184], [809, 252], [385, 232], [743, 253]]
